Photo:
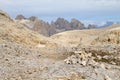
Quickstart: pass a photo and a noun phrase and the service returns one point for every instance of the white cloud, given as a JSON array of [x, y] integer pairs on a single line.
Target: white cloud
[[62, 4], [86, 8]]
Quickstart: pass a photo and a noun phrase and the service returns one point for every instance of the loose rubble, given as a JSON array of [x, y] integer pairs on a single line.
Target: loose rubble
[[80, 57]]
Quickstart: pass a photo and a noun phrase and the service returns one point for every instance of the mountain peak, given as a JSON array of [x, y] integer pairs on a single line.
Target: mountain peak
[[20, 17]]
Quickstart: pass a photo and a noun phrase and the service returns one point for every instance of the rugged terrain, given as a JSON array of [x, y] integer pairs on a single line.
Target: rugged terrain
[[72, 55]]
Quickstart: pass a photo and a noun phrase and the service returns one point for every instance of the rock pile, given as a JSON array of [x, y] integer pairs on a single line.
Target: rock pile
[[80, 57]]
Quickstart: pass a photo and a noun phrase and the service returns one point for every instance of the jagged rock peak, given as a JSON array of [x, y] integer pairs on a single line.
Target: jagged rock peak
[[20, 17], [61, 23], [76, 24]]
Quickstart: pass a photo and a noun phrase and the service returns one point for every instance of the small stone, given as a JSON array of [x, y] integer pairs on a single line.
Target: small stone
[[107, 78], [99, 57], [113, 63], [74, 61], [67, 61], [89, 54], [106, 57], [108, 67], [83, 63], [78, 52], [102, 66]]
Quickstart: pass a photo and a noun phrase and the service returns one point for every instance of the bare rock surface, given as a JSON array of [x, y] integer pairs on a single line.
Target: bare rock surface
[[19, 62]]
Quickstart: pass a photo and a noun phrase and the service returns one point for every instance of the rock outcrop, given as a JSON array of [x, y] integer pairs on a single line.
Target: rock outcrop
[[41, 27], [61, 24], [76, 24], [64, 25]]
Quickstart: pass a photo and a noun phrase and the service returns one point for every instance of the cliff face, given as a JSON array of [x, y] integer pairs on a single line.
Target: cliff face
[[42, 27]]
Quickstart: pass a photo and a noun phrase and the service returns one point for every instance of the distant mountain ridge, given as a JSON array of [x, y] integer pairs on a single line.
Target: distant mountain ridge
[[48, 29], [60, 25]]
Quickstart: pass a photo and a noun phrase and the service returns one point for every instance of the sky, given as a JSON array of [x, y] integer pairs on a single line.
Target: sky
[[89, 11]]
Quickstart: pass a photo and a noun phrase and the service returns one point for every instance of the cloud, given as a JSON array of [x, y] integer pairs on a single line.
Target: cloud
[[62, 4], [83, 8]]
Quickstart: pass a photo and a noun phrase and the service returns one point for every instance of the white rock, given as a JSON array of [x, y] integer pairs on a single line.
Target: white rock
[[89, 54], [102, 66], [74, 61], [76, 52], [99, 57], [67, 61], [83, 63], [113, 63], [107, 78]]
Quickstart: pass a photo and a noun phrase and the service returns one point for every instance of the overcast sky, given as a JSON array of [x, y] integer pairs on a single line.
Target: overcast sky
[[85, 10]]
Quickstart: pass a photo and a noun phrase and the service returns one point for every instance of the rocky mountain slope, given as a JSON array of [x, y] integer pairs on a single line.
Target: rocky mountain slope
[[12, 31], [72, 55]]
